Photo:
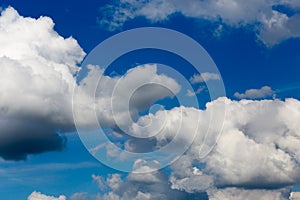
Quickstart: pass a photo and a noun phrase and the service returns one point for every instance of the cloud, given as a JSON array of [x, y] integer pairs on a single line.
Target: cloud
[[39, 196], [257, 149], [37, 69], [270, 23], [143, 186], [255, 157], [261, 93], [204, 77], [119, 99], [100, 182], [79, 196], [294, 196], [241, 194], [198, 91], [37, 80]]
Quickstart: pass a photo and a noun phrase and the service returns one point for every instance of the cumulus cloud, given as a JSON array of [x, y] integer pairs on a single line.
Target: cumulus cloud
[[39, 196], [241, 194], [272, 25], [263, 92], [36, 81], [257, 147], [255, 157], [119, 99], [148, 186]]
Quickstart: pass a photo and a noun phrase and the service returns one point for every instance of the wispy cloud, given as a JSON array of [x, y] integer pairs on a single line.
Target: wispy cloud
[[271, 24], [204, 77], [263, 92]]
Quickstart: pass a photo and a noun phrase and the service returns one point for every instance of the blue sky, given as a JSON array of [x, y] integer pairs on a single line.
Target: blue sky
[[256, 61]]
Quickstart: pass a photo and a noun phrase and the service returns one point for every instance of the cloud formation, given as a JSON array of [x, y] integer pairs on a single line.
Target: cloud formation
[[39, 196], [256, 155], [242, 194], [263, 92], [272, 24], [144, 186], [258, 148], [204, 77], [36, 83]]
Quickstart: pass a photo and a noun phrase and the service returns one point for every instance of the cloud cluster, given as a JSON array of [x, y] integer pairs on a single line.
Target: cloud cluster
[[143, 186], [39, 196], [241, 194], [269, 18], [258, 150], [37, 83]]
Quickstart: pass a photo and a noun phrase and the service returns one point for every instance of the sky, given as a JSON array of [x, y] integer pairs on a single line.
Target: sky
[[126, 99]]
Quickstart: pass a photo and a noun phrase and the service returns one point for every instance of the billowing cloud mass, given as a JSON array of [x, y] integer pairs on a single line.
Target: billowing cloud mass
[[240, 194], [261, 93], [253, 132], [39, 196], [258, 150], [273, 25], [36, 81]]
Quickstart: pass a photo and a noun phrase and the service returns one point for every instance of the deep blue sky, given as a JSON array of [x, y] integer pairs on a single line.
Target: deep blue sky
[[243, 61]]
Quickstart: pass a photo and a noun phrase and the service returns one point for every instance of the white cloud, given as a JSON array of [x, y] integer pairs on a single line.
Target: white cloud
[[242, 194], [294, 196], [198, 91], [257, 147], [39, 196], [271, 25], [204, 77], [80, 196], [36, 83], [100, 182], [138, 186], [119, 99], [37, 80], [263, 92]]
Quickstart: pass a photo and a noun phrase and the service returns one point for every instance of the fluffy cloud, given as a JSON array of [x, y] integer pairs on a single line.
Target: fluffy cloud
[[241, 194], [255, 156], [148, 186], [272, 25], [263, 92], [119, 99], [258, 146], [39, 196], [36, 83]]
